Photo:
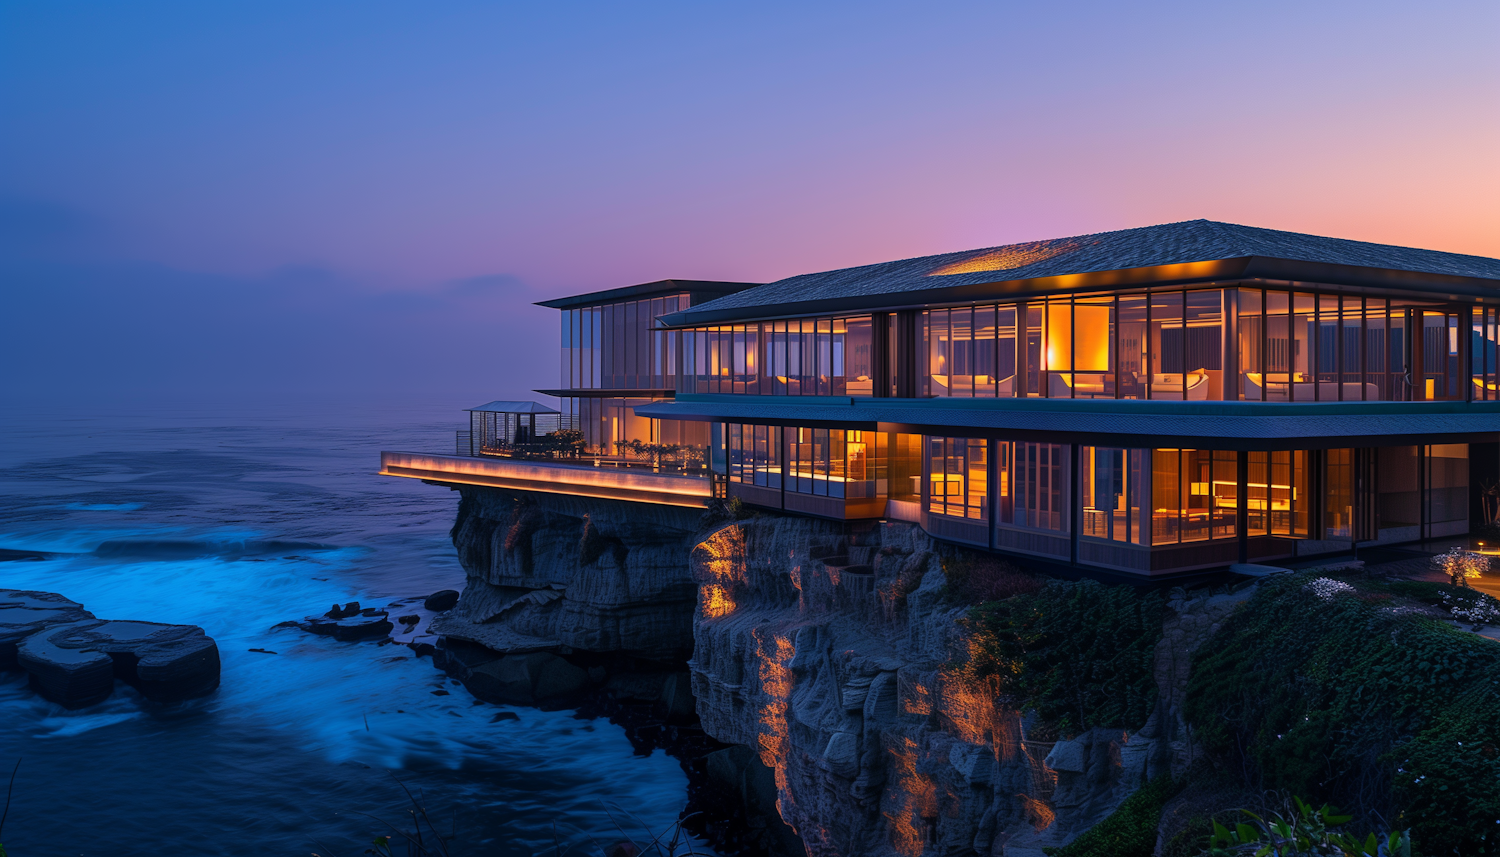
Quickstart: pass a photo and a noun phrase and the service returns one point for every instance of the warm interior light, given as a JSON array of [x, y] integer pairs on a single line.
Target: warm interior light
[[1085, 337]]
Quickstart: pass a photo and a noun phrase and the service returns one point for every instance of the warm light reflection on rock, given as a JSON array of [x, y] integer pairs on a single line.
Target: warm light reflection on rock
[[722, 560], [776, 685], [913, 803]]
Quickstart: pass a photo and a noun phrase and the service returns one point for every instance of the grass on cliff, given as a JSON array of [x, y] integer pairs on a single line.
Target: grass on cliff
[[1079, 654], [1343, 693], [1129, 831]]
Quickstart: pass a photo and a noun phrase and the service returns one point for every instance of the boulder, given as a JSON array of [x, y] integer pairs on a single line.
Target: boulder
[[76, 664], [366, 624], [443, 599], [521, 679], [24, 612]]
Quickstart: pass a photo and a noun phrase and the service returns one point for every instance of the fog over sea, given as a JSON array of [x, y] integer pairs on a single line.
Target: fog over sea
[[272, 514]]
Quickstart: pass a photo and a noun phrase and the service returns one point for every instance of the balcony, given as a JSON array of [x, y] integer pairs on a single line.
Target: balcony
[[551, 477]]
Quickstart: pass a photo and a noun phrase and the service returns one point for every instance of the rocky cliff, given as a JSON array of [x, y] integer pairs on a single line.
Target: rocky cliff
[[556, 573], [837, 653]]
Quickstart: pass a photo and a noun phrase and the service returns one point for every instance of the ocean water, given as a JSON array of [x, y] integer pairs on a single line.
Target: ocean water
[[237, 518]]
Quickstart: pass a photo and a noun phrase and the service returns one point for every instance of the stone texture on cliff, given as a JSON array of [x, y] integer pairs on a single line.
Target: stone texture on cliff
[[553, 572], [832, 651]]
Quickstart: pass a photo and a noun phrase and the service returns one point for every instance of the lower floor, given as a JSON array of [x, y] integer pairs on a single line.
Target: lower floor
[[1139, 510], [611, 427]]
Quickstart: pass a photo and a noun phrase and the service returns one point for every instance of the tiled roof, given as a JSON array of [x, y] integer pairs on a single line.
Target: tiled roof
[[1148, 246]]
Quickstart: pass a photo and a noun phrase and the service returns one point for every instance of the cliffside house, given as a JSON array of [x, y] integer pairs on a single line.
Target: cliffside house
[[1149, 401]]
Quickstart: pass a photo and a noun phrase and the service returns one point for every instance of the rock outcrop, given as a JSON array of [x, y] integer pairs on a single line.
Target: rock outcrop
[[833, 651], [556, 573], [74, 658]]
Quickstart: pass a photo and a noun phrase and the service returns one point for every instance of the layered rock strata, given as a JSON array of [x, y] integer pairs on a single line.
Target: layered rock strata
[[553, 573], [833, 651]]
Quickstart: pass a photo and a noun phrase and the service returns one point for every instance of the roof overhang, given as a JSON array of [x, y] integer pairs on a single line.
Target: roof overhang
[[593, 393], [706, 289], [1353, 278], [1114, 423]]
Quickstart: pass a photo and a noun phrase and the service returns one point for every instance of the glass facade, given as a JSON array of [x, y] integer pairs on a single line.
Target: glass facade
[[1034, 485], [618, 347], [1165, 345], [1305, 347], [1193, 495], [850, 465], [1114, 485], [802, 357], [959, 477], [1206, 344]]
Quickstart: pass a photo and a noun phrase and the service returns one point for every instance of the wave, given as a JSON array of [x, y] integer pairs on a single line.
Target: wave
[[166, 549]]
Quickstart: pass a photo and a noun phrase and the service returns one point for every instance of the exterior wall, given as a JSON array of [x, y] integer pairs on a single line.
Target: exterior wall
[[1141, 511], [616, 346], [1300, 342]]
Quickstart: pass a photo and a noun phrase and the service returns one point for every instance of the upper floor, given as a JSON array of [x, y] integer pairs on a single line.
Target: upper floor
[[1194, 311], [610, 339]]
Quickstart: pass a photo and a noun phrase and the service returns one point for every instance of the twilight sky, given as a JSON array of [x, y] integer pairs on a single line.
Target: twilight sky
[[293, 199]]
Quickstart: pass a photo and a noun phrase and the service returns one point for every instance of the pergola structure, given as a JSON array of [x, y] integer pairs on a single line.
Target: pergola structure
[[498, 427]]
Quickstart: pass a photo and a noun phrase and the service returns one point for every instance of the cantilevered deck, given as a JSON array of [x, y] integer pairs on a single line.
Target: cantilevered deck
[[550, 478]]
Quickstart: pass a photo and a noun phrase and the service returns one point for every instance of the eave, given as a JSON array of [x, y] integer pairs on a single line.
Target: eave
[[1354, 278]]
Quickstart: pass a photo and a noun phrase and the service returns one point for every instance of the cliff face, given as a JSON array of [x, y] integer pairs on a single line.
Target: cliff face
[[833, 651], [556, 573]]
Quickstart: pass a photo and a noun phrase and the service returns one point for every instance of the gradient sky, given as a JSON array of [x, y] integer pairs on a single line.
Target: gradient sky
[[349, 200]]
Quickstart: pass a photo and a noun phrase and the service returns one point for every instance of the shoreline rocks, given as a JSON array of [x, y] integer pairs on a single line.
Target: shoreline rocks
[[73, 657]]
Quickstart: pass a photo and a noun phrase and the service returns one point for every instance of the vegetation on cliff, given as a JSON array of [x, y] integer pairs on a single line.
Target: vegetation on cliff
[[1077, 654], [1344, 692], [1129, 831]]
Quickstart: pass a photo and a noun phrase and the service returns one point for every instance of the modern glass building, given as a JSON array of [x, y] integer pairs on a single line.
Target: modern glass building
[[1151, 400], [615, 358]]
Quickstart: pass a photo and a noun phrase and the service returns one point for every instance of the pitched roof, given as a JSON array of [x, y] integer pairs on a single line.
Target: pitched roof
[[1144, 247]]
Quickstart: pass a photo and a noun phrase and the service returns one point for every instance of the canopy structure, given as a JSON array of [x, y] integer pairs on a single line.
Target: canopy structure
[[499, 407], [498, 427]]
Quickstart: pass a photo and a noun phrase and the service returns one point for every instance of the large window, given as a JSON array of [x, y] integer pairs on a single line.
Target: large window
[[801, 357], [1484, 354], [1165, 345], [754, 454], [1114, 485], [1033, 485], [1305, 347], [611, 428], [1447, 489], [959, 477], [834, 462], [616, 346], [1278, 502], [1193, 495]]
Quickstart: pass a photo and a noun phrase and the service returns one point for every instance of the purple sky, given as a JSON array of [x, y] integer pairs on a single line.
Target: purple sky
[[210, 200]]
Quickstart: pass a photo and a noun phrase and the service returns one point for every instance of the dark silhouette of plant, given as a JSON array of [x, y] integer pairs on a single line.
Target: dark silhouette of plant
[[1303, 831]]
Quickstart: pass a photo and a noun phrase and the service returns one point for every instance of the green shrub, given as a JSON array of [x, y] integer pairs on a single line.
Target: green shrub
[[1129, 831], [1079, 654], [974, 578], [1364, 704]]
